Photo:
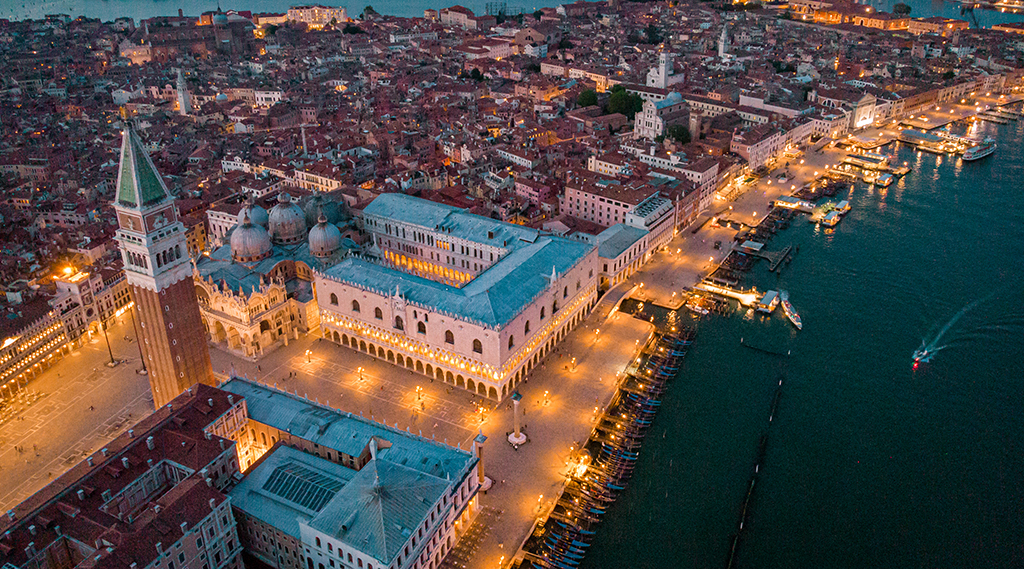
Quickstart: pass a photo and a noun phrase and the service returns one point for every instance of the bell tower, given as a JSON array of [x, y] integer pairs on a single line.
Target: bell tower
[[159, 274]]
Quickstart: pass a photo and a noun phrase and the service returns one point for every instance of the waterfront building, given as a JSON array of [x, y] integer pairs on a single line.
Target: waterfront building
[[157, 268], [326, 488], [321, 487], [462, 298], [256, 292], [317, 16]]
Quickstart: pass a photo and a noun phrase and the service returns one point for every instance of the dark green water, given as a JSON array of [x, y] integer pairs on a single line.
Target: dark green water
[[869, 463]]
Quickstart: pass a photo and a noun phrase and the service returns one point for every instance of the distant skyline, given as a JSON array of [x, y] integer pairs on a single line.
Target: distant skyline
[[140, 9]]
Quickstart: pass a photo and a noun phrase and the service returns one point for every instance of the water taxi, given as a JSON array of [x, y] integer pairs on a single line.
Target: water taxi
[[790, 312], [979, 151]]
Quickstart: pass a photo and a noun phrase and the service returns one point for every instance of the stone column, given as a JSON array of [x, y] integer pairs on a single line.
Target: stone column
[[478, 451], [517, 437]]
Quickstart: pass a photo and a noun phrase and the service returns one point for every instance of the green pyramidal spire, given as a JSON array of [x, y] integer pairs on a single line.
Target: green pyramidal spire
[[138, 183]]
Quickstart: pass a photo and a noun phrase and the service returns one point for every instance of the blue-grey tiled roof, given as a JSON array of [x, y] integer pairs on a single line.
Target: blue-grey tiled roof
[[617, 238]]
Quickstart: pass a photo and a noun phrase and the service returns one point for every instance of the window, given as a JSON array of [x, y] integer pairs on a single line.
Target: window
[[565, 292], [449, 338], [542, 309], [181, 557], [526, 329], [478, 347], [399, 323], [318, 542], [355, 306], [378, 314], [334, 299], [421, 328], [511, 341]]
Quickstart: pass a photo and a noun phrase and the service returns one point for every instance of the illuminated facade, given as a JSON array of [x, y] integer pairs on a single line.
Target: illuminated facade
[[464, 299]]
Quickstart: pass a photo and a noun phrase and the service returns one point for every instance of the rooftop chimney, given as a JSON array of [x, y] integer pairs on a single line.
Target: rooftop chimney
[[124, 461], [89, 460], [159, 548], [32, 529], [213, 504], [81, 494], [210, 402], [104, 451], [149, 442], [231, 399], [184, 527], [131, 433]]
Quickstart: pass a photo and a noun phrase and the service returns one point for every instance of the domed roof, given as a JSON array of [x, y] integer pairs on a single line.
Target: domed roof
[[221, 97], [286, 221], [324, 238], [317, 204], [249, 242], [256, 214]]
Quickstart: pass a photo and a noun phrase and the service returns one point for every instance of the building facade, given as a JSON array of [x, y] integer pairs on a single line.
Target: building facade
[[157, 268], [458, 297]]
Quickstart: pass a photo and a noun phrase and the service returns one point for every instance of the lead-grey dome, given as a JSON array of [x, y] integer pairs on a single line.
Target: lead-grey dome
[[256, 214], [250, 242], [324, 238], [287, 222], [318, 204]]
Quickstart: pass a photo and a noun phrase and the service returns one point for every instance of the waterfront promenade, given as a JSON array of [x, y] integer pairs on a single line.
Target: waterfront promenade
[[85, 404]]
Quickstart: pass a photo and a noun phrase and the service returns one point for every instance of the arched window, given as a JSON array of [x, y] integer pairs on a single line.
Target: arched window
[[334, 299], [398, 323], [526, 329], [478, 346], [378, 314], [511, 341], [542, 310], [565, 292], [355, 306], [449, 338], [554, 307], [421, 328]]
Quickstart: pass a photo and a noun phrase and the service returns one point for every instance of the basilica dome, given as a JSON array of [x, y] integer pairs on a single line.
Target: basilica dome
[[287, 222], [318, 204], [256, 214], [249, 242], [324, 238]]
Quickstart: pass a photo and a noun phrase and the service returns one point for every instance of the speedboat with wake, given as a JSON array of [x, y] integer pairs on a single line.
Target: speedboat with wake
[[790, 312]]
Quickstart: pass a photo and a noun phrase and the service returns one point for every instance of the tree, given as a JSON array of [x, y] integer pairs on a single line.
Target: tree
[[271, 30], [350, 29], [565, 44], [538, 14], [587, 98], [624, 102], [368, 12], [901, 9], [475, 75], [652, 34], [679, 133]]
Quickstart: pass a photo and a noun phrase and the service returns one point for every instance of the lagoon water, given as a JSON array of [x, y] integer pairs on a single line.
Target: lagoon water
[[869, 463]]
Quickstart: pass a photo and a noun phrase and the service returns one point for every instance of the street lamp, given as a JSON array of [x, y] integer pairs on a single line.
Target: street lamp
[[109, 351], [307, 356], [419, 393], [360, 372], [143, 371]]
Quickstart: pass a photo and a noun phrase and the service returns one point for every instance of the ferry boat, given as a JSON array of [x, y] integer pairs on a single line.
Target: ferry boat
[[979, 151], [790, 312]]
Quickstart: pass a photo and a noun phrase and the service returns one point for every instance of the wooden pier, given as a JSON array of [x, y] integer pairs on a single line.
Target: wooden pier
[[775, 258]]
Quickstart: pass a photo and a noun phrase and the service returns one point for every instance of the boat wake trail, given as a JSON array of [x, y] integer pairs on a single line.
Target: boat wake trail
[[928, 349]]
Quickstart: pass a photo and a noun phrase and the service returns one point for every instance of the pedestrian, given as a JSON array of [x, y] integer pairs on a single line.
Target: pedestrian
[[258, 368]]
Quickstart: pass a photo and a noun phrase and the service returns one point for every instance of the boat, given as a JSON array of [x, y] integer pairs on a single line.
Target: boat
[[831, 219], [768, 302], [980, 151], [790, 312]]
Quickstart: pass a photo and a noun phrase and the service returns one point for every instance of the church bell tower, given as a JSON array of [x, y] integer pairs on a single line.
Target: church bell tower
[[159, 274]]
